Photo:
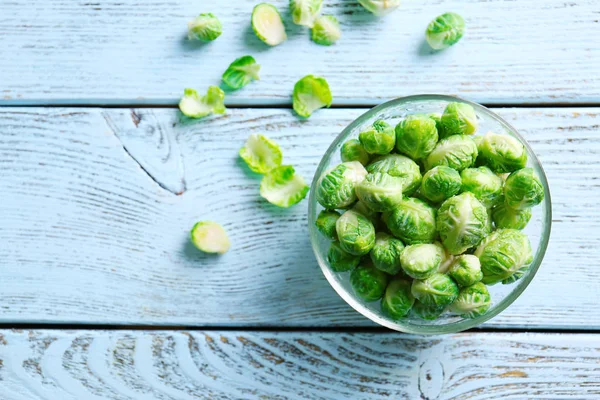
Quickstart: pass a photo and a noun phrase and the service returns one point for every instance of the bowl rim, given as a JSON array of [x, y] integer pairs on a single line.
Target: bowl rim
[[463, 324]]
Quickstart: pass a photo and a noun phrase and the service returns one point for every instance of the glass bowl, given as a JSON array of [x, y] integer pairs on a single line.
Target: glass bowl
[[538, 228]]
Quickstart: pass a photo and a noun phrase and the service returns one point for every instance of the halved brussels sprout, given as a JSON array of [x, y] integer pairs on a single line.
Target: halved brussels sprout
[[340, 260], [368, 282], [458, 119], [445, 30], [310, 94], [437, 290], [261, 154], [267, 24], [466, 270], [421, 260], [355, 233], [380, 191], [398, 300], [507, 218], [326, 30], [325, 223], [205, 27], [195, 106], [386, 252], [336, 187], [398, 166], [472, 301], [456, 151], [440, 183], [416, 136], [484, 184], [241, 72], [523, 189], [502, 254], [210, 237], [501, 153], [379, 138], [380, 7], [282, 187], [412, 221], [352, 150], [304, 12], [428, 313]]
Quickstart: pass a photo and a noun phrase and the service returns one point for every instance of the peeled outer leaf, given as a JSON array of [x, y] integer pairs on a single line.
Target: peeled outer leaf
[[501, 153], [380, 7], [456, 151], [336, 186], [304, 12], [523, 189], [267, 24], [283, 187], [261, 154], [310, 94], [398, 300], [472, 301], [210, 237], [241, 72], [436, 291], [326, 30], [205, 27], [502, 254], [194, 106], [445, 30]]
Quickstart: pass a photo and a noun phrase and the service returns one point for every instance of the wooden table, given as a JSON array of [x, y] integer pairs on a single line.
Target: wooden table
[[103, 297]]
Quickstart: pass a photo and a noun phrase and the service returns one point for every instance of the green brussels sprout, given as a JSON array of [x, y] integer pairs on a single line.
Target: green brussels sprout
[[412, 221], [304, 12], [362, 208], [501, 153], [352, 150], [195, 106], [458, 119], [282, 187], [340, 260], [355, 233], [336, 187], [445, 30], [397, 300], [400, 167], [386, 252], [205, 27], [484, 184], [456, 151], [428, 313], [310, 94], [437, 290], [462, 222], [325, 223], [440, 183], [447, 258], [421, 260], [210, 237], [502, 254], [380, 138], [380, 191], [416, 136], [241, 72], [267, 24], [368, 282], [437, 117], [523, 189], [380, 7], [507, 218], [516, 276], [326, 30], [472, 301], [466, 270], [261, 154]]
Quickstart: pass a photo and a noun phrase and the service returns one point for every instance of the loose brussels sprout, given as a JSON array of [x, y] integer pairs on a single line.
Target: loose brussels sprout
[[195, 106], [484, 184], [445, 30], [523, 189], [458, 119], [267, 24], [502, 254], [352, 150], [440, 183], [261, 154], [368, 282], [362, 208], [380, 191], [205, 27], [336, 187], [437, 290], [462, 222], [355, 233], [412, 221], [310, 94], [398, 300], [210, 237], [428, 313], [326, 30], [416, 136], [507, 218], [380, 138], [340, 260], [421, 260], [282, 187], [380, 7], [447, 258], [326, 223], [472, 301], [398, 166], [456, 151], [304, 12], [241, 72], [386, 252], [466, 270], [502, 153]]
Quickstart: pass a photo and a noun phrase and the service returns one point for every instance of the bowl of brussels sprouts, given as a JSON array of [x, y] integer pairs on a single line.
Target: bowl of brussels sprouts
[[429, 214]]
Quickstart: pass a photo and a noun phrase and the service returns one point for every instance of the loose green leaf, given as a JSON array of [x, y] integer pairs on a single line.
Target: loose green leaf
[[283, 187], [241, 72], [261, 154], [304, 12], [195, 106], [310, 94], [380, 7], [326, 30], [445, 30], [205, 27]]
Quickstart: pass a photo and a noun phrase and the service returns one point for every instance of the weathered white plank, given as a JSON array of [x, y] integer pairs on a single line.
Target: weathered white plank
[[88, 236], [131, 52]]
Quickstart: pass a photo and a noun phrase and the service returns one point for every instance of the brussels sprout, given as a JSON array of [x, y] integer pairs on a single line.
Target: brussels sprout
[[456, 151], [466, 270], [445, 30], [386, 252], [501, 153], [416, 136], [241, 72], [282, 187], [368, 282], [462, 222], [310, 94], [421, 260], [355, 233], [484, 184], [336, 187], [428, 313], [437, 290], [523, 189], [362, 208], [502, 254], [447, 258], [326, 223], [398, 300], [339, 260], [401, 167], [326, 30], [267, 24], [440, 183], [412, 221], [458, 119], [507, 218], [205, 27], [210, 237], [380, 191], [472, 301], [195, 106], [380, 7], [352, 150], [516, 276], [261, 154], [380, 138], [437, 117], [304, 12]]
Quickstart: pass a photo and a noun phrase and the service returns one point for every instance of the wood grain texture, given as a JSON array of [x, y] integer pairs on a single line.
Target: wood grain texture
[[82, 365], [133, 52]]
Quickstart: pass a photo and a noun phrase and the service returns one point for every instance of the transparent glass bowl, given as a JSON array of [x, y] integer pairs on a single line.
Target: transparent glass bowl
[[538, 228]]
